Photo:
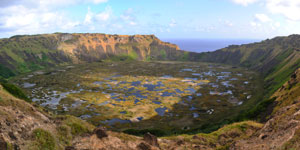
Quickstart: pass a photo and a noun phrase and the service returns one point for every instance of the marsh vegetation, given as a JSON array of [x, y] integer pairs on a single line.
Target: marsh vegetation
[[129, 96]]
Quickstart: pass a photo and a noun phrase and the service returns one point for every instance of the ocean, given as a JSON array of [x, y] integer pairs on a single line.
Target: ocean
[[205, 45]]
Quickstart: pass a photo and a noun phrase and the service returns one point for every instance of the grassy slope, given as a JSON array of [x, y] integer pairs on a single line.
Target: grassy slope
[[275, 59], [46, 131]]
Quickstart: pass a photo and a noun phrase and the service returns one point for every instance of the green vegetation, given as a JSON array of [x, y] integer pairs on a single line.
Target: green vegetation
[[15, 91], [5, 72], [163, 54], [185, 56], [64, 134], [76, 125], [43, 140], [142, 132], [223, 137], [257, 110]]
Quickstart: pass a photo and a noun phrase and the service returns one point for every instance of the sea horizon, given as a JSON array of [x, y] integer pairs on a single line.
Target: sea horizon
[[206, 45]]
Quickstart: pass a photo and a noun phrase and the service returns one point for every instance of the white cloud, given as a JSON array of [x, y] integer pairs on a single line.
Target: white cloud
[[43, 16], [244, 2], [288, 8], [91, 17], [172, 23], [129, 17], [105, 15], [277, 24], [255, 24], [88, 17], [99, 1], [262, 18], [132, 23]]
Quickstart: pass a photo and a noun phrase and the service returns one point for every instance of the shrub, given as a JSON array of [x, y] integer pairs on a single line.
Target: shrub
[[155, 132], [15, 91], [43, 140]]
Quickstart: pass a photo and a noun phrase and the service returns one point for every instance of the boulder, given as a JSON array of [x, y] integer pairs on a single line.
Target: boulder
[[151, 139], [144, 146], [100, 132]]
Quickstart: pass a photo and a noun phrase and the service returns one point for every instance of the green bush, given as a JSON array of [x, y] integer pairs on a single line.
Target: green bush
[[15, 91], [155, 132], [64, 134], [5, 72], [44, 140]]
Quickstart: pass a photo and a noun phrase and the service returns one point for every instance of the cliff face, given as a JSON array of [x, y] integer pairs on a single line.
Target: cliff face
[[93, 47], [21, 54]]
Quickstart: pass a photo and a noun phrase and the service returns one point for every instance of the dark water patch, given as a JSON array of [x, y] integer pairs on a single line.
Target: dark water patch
[[193, 108], [136, 83], [189, 98], [166, 94], [28, 85], [130, 89], [226, 84], [179, 91], [196, 74], [114, 121], [195, 115], [214, 85], [136, 101], [161, 111], [187, 70], [123, 112], [166, 76], [152, 87], [103, 103], [137, 94], [191, 90], [84, 117], [187, 78], [140, 118], [156, 102], [198, 94], [208, 73]]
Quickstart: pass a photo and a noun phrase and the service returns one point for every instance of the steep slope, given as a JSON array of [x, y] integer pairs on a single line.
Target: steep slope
[[23, 126], [27, 127], [276, 59], [20, 54], [282, 130]]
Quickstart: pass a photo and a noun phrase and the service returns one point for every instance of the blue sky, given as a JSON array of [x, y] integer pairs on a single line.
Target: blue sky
[[234, 19]]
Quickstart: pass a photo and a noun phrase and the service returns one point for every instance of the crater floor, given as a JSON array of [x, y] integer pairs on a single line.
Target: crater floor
[[143, 95]]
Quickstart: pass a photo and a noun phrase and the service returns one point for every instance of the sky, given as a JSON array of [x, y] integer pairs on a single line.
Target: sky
[[208, 19]]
